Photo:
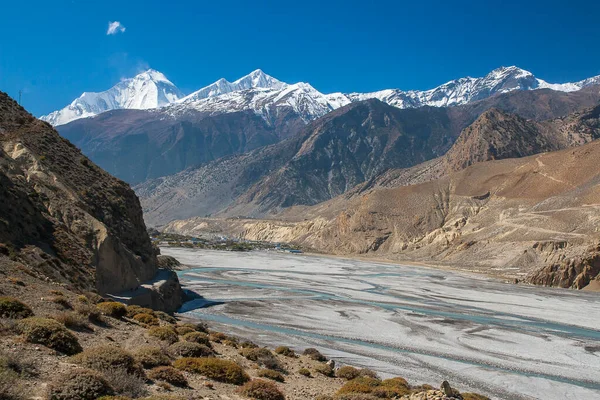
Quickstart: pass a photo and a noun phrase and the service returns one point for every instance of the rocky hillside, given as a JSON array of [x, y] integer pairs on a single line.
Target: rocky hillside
[[332, 162], [136, 145], [65, 218], [509, 218]]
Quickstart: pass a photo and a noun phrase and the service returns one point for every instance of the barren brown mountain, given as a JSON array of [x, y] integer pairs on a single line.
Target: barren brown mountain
[[529, 218], [65, 218]]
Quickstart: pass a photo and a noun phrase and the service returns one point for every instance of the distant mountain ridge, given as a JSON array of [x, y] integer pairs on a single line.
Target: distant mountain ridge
[[266, 95]]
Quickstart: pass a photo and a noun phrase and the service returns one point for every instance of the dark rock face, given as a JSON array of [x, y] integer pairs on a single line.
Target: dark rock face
[[137, 145], [575, 273], [63, 215]]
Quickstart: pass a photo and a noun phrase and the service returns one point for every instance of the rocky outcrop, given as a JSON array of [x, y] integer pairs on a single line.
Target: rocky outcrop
[[64, 216], [575, 273]]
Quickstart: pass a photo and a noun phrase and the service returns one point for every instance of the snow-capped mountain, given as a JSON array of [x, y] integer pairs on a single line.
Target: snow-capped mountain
[[150, 89], [268, 96], [466, 90], [261, 93]]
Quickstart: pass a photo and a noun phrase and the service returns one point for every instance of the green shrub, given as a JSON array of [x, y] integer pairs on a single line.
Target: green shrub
[[355, 387], [190, 349], [392, 388], [163, 316], [261, 356], [146, 319], [14, 308], [72, 320], [347, 372], [285, 351], [182, 330], [355, 396], [81, 384], [304, 372], [217, 337], [325, 369], [247, 344], [50, 333], [62, 301], [271, 374], [10, 371], [314, 354], [152, 356], [367, 380], [133, 310], [112, 309], [125, 383], [164, 333], [106, 357], [198, 327], [259, 389], [214, 368], [368, 372], [197, 337], [90, 311], [169, 375]]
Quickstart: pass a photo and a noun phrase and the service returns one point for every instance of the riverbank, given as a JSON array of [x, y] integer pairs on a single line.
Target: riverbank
[[508, 341]]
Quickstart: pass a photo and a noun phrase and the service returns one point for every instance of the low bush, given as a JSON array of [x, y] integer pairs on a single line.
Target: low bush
[[392, 388], [72, 320], [62, 301], [217, 337], [182, 330], [126, 384], [355, 396], [11, 369], [106, 357], [197, 337], [355, 387], [367, 380], [146, 319], [285, 351], [230, 343], [368, 372], [16, 363], [314, 354], [133, 310], [259, 389], [247, 344], [89, 311], [81, 384], [152, 356], [304, 372], [347, 372], [271, 374], [325, 369], [163, 316], [261, 356], [164, 333], [112, 309], [214, 368], [14, 308], [169, 375], [50, 333], [190, 349]]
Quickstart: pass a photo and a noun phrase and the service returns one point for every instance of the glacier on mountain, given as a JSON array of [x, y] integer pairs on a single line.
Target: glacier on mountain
[[268, 96]]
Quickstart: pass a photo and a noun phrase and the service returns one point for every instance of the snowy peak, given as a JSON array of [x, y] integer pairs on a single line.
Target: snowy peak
[[255, 79], [149, 89]]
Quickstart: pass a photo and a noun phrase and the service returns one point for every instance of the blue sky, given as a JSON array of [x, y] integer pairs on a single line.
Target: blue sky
[[54, 50]]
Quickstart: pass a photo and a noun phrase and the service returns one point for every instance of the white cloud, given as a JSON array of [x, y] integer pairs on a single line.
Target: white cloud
[[114, 28]]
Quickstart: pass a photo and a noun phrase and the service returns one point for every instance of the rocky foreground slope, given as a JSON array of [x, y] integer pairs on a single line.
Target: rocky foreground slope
[[63, 217]]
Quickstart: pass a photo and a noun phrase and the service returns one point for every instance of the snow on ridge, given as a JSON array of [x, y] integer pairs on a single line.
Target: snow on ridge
[[265, 95]]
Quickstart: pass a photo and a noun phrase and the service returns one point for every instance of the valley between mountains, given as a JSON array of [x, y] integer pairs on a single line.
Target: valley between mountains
[[494, 174]]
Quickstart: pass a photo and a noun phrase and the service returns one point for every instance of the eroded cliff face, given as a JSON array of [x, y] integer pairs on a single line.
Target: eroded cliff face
[[64, 216]]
